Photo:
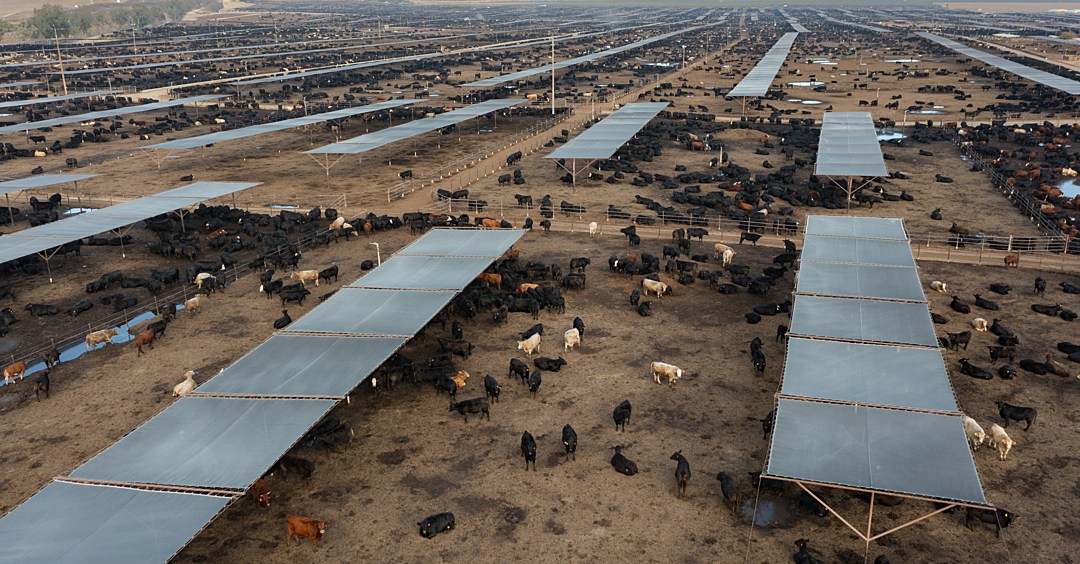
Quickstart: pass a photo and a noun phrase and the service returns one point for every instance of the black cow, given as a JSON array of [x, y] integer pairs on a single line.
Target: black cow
[[283, 321], [808, 503], [492, 388], [436, 524], [293, 294], [460, 348], [998, 517], [474, 405], [534, 382], [328, 273], [730, 489], [621, 415], [569, 441], [580, 326], [549, 364], [80, 307], [682, 472], [622, 464], [528, 449], [38, 310], [1016, 413], [41, 384], [537, 329], [520, 369]]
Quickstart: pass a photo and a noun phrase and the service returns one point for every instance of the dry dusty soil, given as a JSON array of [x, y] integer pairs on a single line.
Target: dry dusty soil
[[411, 458]]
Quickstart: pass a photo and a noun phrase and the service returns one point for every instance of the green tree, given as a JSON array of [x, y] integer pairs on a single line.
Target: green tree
[[48, 20], [120, 17], [176, 9], [82, 21], [1068, 35]]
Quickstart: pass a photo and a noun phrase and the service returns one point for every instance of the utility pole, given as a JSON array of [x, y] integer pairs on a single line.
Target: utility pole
[[63, 79], [552, 75]]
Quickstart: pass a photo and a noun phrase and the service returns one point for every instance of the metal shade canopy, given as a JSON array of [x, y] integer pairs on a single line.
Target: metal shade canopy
[[757, 81], [303, 365], [52, 99], [860, 281], [40, 181], [77, 523], [370, 141], [850, 319], [497, 80], [463, 242], [207, 442], [62, 120], [263, 128], [366, 311], [848, 146], [857, 251], [1066, 85], [849, 226], [45, 237], [424, 273], [919, 454], [604, 138], [861, 373]]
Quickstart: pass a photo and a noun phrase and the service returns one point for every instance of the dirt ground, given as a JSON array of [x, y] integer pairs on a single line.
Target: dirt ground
[[411, 458]]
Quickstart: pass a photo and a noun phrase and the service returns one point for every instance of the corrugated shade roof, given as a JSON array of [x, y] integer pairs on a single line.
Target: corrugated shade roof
[[207, 442], [850, 226], [264, 128], [848, 146], [884, 375], [103, 114], [757, 81], [69, 523], [43, 237], [53, 99], [1066, 85], [603, 139], [856, 251], [304, 365], [495, 81], [878, 321], [920, 454], [860, 281], [371, 141], [40, 181]]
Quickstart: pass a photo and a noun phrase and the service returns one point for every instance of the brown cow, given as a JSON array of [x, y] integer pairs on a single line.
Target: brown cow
[[1012, 259], [491, 279], [144, 338], [13, 370], [490, 223], [525, 287], [260, 492], [304, 527]]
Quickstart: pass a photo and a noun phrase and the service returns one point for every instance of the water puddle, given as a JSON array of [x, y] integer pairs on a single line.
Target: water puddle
[[902, 61], [1069, 188], [77, 211], [71, 352], [890, 136], [771, 513], [926, 112], [807, 83], [284, 207], [811, 102]]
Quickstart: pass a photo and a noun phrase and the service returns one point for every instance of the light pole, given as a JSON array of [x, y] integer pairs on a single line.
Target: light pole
[[905, 118], [683, 56], [378, 254]]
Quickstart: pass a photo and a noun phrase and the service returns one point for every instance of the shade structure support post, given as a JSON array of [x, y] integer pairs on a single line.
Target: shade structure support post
[[47, 257], [326, 164], [121, 232], [11, 212], [830, 510]]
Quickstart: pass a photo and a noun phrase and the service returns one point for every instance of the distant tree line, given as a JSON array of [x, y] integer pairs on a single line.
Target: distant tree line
[[50, 19]]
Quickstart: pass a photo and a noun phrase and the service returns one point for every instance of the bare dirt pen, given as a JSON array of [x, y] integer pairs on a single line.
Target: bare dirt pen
[[412, 458]]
